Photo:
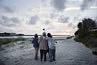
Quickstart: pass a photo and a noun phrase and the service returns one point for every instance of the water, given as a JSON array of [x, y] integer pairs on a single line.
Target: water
[[55, 37]]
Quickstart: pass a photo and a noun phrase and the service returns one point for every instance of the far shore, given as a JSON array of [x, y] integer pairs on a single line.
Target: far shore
[[53, 35]]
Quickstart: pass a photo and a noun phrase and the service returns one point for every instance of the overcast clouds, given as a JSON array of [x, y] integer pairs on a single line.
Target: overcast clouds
[[57, 16]]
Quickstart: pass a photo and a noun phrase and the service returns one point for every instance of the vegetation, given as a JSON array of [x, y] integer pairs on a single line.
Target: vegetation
[[69, 37], [88, 41], [87, 32], [9, 40]]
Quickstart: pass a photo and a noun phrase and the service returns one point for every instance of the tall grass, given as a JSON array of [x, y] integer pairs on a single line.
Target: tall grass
[[88, 41], [9, 40]]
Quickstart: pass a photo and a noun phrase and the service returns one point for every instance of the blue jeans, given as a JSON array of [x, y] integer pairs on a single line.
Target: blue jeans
[[52, 54], [36, 53]]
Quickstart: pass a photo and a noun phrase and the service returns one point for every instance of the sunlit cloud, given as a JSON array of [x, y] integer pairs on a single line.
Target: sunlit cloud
[[93, 7], [72, 8]]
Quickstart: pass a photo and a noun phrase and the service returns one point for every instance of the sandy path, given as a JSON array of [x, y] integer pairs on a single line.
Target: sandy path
[[68, 52]]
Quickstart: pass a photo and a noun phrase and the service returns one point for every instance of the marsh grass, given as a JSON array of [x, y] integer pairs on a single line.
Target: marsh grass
[[87, 41], [10, 40]]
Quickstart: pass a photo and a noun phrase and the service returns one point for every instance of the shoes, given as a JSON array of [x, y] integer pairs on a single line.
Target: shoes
[[44, 60], [41, 60], [36, 58], [54, 60]]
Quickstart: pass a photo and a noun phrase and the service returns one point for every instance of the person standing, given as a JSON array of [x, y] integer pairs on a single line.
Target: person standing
[[35, 45], [43, 45], [52, 47]]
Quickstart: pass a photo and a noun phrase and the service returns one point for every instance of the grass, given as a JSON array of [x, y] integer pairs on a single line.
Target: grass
[[88, 41], [69, 37], [9, 40]]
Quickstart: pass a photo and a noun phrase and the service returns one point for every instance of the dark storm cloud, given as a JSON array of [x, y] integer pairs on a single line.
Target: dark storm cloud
[[58, 4], [33, 20], [10, 22], [86, 4], [6, 9], [15, 20], [43, 1], [63, 19], [1, 0]]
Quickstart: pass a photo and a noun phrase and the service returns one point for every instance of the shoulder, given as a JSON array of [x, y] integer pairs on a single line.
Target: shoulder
[[50, 38], [35, 38]]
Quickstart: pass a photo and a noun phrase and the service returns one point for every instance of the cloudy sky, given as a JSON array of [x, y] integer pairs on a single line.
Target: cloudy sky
[[56, 16]]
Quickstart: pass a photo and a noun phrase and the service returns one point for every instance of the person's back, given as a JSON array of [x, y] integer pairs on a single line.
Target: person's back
[[51, 43], [52, 49], [36, 45], [43, 43], [35, 42]]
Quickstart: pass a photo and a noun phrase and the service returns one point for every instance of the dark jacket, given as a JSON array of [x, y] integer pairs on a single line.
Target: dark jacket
[[35, 42]]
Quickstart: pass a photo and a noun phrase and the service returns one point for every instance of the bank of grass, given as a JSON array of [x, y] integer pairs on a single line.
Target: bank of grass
[[69, 37], [9, 40], [90, 42]]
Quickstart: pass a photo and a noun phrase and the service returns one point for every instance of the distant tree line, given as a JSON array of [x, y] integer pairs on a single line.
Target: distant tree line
[[10, 34]]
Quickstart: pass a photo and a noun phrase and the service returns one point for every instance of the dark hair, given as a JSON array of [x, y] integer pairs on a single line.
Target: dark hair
[[49, 35], [43, 29], [35, 36]]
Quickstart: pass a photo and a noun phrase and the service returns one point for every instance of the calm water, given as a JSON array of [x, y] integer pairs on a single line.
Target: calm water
[[56, 37]]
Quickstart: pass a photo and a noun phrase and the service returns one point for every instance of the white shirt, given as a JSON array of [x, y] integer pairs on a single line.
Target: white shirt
[[51, 43]]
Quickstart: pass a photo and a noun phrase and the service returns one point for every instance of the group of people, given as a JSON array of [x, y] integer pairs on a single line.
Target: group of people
[[45, 44]]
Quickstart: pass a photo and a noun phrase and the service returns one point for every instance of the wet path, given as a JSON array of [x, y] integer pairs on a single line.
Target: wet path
[[68, 52]]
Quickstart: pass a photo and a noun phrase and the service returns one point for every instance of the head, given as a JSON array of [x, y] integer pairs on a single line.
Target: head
[[43, 29], [49, 35], [44, 34], [35, 36]]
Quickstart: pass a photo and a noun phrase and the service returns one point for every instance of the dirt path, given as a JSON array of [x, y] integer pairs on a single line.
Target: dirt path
[[68, 52]]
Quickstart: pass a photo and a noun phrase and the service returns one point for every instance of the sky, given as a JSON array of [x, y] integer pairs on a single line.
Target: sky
[[56, 16]]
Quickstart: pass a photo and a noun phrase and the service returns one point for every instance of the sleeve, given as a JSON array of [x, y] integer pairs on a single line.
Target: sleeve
[[55, 41], [32, 40]]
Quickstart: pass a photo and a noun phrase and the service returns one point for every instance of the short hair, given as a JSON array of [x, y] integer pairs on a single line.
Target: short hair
[[35, 36], [44, 33]]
